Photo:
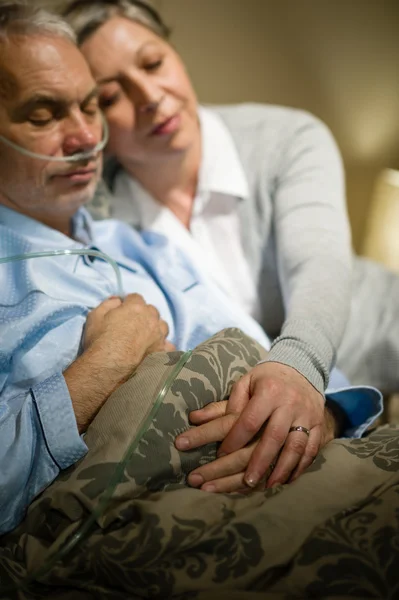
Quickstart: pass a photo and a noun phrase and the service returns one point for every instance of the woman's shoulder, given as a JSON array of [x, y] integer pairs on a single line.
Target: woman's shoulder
[[265, 130], [256, 118], [251, 112]]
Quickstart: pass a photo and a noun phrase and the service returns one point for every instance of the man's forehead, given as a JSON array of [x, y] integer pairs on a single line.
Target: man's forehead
[[43, 65]]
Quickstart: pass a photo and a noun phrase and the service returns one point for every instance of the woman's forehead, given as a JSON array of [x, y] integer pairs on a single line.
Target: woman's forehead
[[116, 39]]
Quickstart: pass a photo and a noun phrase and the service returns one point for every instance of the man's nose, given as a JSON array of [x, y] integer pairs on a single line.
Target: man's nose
[[81, 136]]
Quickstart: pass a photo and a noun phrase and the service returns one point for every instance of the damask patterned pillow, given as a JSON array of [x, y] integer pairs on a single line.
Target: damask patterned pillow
[[131, 440]]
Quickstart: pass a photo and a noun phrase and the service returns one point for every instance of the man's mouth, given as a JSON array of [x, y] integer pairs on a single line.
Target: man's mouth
[[82, 175], [167, 126]]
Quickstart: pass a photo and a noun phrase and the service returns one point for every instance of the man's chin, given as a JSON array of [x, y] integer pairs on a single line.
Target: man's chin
[[78, 196]]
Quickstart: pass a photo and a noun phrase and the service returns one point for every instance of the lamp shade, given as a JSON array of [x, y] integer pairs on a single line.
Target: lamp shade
[[381, 242]]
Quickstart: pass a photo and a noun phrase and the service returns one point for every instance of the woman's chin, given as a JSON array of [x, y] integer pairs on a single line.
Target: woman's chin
[[156, 149]]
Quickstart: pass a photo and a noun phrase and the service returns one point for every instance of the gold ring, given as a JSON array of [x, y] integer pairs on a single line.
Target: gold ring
[[300, 428]]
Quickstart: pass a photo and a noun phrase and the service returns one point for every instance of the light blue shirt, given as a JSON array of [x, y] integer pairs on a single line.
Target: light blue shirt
[[43, 307]]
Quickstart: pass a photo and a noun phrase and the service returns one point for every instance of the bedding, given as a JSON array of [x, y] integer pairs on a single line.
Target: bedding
[[122, 522]]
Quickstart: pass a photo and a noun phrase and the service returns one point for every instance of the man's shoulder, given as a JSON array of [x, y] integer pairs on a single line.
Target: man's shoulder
[[12, 241]]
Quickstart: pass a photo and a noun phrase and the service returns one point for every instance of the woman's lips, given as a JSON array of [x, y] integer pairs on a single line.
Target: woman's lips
[[167, 127]]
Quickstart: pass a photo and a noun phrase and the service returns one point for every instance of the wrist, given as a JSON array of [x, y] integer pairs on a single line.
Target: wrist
[[338, 416], [90, 381], [299, 346]]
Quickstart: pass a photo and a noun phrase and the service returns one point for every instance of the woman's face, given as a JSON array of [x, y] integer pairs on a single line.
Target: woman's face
[[145, 92]]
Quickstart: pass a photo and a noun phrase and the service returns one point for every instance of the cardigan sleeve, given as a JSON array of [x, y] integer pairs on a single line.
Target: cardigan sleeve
[[313, 250]]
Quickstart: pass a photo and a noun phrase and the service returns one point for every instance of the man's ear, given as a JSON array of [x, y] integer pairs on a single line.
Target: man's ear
[[7, 85]]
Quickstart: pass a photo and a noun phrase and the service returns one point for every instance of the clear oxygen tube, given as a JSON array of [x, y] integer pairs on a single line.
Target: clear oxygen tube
[[78, 157], [78, 251], [54, 556]]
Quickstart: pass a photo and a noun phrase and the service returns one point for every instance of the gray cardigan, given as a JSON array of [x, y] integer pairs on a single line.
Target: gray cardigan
[[295, 232]]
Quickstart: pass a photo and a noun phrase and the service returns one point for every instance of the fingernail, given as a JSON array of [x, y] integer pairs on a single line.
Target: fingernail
[[251, 480], [182, 443], [195, 480], [272, 484], [221, 454], [208, 487]]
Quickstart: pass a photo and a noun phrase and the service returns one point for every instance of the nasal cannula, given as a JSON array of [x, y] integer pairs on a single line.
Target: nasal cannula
[[81, 156], [77, 157]]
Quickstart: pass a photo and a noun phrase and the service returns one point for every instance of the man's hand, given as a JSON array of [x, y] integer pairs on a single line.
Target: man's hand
[[226, 474], [118, 335], [267, 402], [131, 329]]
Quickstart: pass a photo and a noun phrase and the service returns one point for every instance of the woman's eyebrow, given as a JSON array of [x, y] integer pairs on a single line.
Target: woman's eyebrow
[[107, 80], [112, 78], [145, 45]]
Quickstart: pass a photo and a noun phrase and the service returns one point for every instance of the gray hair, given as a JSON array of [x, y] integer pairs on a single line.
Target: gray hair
[[20, 18], [86, 16]]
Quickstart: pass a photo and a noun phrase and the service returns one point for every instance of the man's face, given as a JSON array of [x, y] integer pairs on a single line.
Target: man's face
[[48, 105]]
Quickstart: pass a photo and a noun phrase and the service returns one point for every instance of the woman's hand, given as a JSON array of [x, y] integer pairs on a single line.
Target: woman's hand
[[278, 397], [266, 402], [224, 474]]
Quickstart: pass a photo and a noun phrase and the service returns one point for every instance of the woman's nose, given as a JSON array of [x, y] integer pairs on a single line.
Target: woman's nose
[[144, 93], [150, 106]]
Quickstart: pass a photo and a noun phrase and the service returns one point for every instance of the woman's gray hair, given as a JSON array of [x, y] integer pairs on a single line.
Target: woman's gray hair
[[86, 16], [21, 18]]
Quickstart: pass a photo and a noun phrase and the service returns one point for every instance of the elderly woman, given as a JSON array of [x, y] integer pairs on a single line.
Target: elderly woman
[[255, 196]]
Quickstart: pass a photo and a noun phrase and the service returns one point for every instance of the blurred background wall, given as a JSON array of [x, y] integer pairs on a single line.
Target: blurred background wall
[[338, 59]]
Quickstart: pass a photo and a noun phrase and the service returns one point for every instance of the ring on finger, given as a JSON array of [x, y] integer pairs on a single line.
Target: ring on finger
[[300, 428]]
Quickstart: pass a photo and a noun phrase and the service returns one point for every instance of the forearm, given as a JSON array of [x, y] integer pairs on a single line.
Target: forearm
[[314, 249], [91, 379], [317, 311]]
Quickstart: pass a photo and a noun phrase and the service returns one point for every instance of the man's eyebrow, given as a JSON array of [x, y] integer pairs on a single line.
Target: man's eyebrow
[[93, 94], [37, 99], [40, 99]]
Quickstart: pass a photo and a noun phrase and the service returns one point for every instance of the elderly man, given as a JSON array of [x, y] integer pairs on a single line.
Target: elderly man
[[53, 379]]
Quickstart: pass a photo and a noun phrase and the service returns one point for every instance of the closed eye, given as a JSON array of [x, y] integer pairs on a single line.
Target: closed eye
[[40, 122], [153, 66], [107, 101]]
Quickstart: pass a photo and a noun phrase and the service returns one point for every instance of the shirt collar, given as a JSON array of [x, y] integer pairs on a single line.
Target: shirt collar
[[221, 172], [81, 227], [221, 169]]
